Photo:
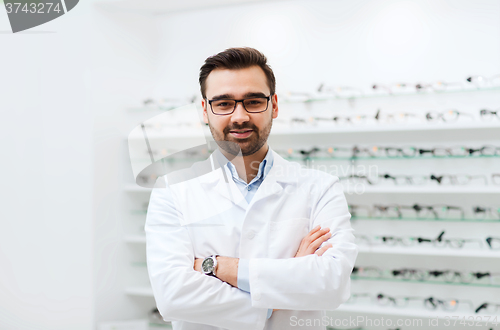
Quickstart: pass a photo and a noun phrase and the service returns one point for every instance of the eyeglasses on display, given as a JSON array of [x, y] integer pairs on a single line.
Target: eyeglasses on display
[[457, 179], [398, 301], [488, 308], [422, 275], [431, 303], [336, 152], [446, 116], [445, 304], [421, 211], [438, 242], [493, 243], [489, 114]]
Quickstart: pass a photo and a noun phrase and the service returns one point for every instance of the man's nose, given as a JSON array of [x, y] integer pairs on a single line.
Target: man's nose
[[240, 115]]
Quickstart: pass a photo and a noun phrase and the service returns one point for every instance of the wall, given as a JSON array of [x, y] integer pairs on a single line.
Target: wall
[[46, 143], [65, 86], [347, 43]]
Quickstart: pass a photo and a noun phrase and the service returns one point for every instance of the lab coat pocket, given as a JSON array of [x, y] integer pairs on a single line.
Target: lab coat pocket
[[285, 236]]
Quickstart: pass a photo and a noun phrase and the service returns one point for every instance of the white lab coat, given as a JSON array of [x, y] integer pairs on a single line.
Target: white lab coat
[[208, 215]]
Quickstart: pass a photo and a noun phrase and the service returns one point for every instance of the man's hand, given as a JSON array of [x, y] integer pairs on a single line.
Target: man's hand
[[227, 268], [312, 242]]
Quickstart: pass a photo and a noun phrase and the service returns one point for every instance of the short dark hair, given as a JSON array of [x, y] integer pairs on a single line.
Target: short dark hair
[[233, 59]]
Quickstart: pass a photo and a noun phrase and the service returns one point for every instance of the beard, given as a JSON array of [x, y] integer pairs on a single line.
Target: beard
[[247, 146]]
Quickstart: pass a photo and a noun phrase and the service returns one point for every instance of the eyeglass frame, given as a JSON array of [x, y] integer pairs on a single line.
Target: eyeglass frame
[[236, 104]]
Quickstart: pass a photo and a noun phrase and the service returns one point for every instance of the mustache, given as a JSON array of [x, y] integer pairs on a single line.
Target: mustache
[[227, 129]]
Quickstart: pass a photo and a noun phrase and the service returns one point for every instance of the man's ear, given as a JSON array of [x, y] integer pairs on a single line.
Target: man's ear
[[205, 114], [275, 105]]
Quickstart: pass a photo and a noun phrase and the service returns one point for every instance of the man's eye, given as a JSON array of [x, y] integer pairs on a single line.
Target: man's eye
[[222, 103]]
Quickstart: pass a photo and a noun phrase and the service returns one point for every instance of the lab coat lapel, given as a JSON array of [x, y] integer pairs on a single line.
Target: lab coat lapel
[[276, 180], [220, 182]]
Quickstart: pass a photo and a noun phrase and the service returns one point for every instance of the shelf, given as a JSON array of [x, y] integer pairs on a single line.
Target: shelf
[[350, 189], [413, 312], [384, 279], [340, 128], [446, 252], [281, 129], [452, 189], [320, 98], [335, 159], [135, 239], [139, 291], [424, 219]]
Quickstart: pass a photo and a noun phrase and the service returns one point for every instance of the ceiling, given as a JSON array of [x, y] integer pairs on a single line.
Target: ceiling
[[168, 6]]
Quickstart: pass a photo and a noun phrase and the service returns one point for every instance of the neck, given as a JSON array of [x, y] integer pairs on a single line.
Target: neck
[[247, 167]]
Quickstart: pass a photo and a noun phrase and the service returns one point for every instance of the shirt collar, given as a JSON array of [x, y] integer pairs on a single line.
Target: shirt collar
[[264, 168]]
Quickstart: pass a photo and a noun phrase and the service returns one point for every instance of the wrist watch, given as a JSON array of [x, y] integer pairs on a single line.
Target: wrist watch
[[209, 265]]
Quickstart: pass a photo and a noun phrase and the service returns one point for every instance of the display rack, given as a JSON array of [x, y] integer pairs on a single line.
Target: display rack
[[308, 135]]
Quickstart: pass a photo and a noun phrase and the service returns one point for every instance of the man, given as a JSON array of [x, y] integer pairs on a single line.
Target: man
[[258, 242]]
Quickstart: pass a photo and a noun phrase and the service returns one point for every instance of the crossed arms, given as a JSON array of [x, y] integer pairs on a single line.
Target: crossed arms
[[227, 267], [320, 278]]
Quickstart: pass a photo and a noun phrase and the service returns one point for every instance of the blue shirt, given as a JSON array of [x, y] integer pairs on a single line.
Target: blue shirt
[[248, 190]]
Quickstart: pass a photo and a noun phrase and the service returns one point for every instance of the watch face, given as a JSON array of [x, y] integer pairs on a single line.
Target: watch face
[[207, 265]]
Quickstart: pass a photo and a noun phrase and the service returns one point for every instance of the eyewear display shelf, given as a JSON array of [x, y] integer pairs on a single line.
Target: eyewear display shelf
[[470, 132]]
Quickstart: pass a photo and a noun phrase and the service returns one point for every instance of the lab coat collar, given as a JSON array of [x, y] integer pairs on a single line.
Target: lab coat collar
[[219, 180], [282, 170]]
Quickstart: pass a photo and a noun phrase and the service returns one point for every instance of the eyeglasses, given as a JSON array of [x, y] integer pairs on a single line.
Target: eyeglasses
[[405, 179], [340, 91], [488, 308], [446, 116], [399, 301], [485, 212], [456, 243], [224, 107], [493, 243], [439, 211], [394, 117], [457, 179], [438, 242], [479, 81], [367, 272], [419, 274], [359, 296], [420, 211], [337, 119], [420, 87], [447, 305], [488, 114], [408, 274]]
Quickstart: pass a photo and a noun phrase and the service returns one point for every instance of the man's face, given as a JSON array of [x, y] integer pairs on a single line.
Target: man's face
[[249, 131]]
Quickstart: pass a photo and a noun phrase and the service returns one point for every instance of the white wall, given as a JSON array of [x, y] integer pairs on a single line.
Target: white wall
[[353, 43], [64, 87], [46, 191]]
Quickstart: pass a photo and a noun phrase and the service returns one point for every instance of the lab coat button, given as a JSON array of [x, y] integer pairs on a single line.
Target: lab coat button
[[250, 234]]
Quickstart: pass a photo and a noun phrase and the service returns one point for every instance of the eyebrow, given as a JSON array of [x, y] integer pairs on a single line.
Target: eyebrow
[[231, 96]]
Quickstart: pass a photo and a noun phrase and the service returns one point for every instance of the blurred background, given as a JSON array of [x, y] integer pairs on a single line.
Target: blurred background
[[400, 99]]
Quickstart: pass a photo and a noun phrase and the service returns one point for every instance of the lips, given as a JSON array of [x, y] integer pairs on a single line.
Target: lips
[[241, 133]]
